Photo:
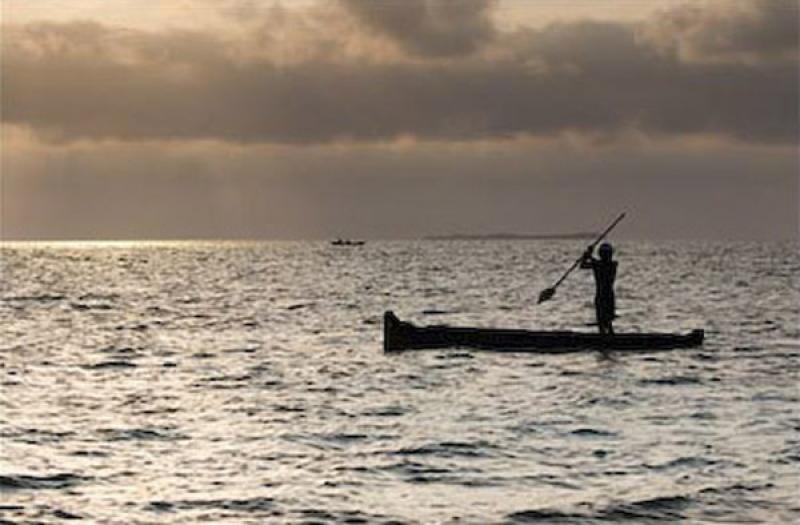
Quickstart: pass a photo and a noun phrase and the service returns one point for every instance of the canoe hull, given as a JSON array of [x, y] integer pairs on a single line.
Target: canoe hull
[[399, 335]]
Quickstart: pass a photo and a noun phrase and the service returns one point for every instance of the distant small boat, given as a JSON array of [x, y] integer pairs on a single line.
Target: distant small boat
[[347, 242], [399, 335]]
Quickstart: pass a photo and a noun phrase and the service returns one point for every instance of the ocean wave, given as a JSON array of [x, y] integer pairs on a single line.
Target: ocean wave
[[54, 481], [111, 364], [447, 449], [256, 504], [140, 434], [658, 509], [592, 432], [41, 298], [671, 381]]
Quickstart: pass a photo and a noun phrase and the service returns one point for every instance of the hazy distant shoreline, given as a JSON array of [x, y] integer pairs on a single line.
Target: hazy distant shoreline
[[512, 236]]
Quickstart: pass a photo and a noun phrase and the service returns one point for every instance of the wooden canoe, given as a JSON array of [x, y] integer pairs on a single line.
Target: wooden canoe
[[399, 335]]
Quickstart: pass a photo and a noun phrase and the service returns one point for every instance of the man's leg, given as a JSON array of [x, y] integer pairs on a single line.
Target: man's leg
[[601, 325]]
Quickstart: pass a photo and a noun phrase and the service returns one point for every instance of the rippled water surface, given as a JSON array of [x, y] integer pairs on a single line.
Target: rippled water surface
[[246, 383]]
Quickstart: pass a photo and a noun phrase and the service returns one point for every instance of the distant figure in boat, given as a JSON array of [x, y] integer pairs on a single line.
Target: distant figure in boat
[[605, 272], [347, 242]]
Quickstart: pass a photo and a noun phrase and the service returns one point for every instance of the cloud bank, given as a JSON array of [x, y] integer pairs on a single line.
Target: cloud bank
[[730, 31], [428, 28], [432, 71]]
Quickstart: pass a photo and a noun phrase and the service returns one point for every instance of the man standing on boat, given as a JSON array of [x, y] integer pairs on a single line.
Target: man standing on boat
[[605, 272]]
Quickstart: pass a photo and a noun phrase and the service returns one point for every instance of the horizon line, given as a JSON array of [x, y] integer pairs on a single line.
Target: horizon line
[[424, 238]]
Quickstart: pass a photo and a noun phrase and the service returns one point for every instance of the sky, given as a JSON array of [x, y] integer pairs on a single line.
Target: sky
[[305, 119]]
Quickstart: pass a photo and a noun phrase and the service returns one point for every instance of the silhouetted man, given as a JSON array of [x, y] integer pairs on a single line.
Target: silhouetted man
[[605, 272]]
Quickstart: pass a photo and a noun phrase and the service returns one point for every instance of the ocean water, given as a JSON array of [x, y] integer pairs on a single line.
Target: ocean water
[[246, 383]]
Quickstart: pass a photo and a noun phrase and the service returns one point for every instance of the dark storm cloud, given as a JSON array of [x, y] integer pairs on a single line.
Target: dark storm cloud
[[730, 30], [432, 28], [88, 81]]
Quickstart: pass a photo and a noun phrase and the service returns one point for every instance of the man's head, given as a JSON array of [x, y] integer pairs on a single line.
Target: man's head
[[605, 251]]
